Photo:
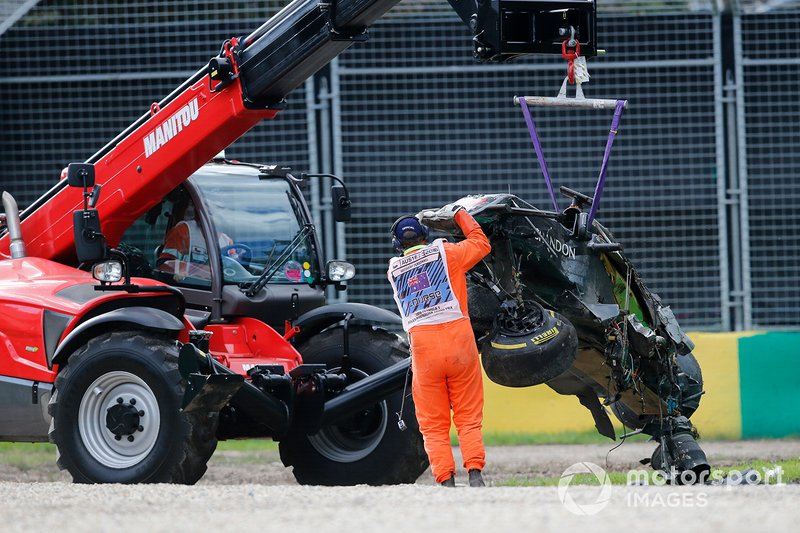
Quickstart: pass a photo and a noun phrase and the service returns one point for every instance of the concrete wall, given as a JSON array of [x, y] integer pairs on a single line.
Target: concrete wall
[[752, 384]]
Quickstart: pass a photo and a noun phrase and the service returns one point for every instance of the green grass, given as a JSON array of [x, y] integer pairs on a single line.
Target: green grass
[[617, 478], [248, 445], [489, 439], [790, 467], [790, 474], [250, 451], [566, 437], [26, 455]]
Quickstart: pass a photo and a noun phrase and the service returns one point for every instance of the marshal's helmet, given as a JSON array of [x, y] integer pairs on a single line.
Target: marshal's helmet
[[406, 230]]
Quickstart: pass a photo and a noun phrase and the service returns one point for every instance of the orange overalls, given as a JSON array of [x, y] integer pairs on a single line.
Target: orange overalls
[[446, 367]]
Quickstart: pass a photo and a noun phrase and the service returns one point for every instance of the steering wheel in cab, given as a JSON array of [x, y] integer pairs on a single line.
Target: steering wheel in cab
[[241, 253], [235, 260]]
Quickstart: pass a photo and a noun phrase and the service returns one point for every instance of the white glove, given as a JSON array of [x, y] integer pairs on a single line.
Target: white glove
[[442, 219]]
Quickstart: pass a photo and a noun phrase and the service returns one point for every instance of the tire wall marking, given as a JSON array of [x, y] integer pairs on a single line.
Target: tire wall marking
[[752, 384], [719, 414], [770, 376]]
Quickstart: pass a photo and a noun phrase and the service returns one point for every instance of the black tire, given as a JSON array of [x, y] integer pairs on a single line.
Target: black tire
[[130, 365], [369, 448], [529, 350]]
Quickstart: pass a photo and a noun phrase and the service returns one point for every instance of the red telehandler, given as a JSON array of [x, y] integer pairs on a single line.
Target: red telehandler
[[108, 365]]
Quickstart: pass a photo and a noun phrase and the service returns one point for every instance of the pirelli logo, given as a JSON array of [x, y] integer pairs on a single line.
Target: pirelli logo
[[538, 339], [546, 336]]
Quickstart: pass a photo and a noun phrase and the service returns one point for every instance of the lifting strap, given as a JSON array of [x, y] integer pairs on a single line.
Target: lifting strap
[[579, 101]]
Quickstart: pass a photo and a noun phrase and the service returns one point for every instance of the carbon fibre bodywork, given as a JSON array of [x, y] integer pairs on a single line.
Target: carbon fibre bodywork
[[631, 351]]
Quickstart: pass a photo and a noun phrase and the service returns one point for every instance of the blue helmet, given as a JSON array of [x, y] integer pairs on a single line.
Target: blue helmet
[[407, 229]]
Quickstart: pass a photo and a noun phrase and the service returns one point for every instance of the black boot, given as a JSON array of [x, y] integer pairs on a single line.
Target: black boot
[[451, 481], [475, 478]]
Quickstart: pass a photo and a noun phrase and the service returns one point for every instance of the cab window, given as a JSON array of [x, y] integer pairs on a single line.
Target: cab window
[[261, 217], [166, 243]]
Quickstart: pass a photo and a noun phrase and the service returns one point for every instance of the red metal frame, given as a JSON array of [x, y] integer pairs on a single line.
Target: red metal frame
[[175, 141], [246, 342], [186, 133], [28, 287], [239, 345]]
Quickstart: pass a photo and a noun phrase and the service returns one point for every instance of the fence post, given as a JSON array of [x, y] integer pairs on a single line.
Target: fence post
[[732, 186], [741, 150], [722, 174]]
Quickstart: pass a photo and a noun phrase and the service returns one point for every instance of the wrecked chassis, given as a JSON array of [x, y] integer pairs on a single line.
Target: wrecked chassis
[[557, 302]]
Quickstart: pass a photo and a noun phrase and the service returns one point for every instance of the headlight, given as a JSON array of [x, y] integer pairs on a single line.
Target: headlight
[[340, 271], [108, 271]]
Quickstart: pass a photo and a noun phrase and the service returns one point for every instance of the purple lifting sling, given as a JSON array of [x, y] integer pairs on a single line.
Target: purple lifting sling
[[617, 105]]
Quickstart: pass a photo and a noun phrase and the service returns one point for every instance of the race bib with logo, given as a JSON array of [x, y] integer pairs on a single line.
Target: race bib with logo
[[422, 287]]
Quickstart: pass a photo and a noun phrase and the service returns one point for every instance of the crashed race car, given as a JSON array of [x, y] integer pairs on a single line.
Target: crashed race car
[[556, 302]]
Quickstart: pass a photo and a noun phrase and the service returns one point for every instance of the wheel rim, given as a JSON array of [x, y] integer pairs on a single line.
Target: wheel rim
[[521, 321], [130, 445], [355, 438]]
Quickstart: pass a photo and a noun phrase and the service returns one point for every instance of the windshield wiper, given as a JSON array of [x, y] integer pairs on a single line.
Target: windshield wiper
[[271, 269]]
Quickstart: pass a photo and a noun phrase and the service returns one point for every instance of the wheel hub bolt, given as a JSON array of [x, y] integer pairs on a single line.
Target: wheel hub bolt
[[122, 420], [130, 438], [119, 400], [141, 413], [117, 437], [140, 428], [133, 401]]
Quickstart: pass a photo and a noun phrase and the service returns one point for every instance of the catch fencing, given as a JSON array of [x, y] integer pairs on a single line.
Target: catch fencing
[[702, 187]]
